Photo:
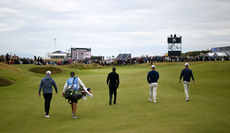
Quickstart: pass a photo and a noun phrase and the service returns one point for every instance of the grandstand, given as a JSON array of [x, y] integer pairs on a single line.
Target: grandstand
[[225, 50], [123, 56]]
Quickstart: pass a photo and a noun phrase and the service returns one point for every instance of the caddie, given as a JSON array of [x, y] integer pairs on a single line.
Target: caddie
[[75, 83]]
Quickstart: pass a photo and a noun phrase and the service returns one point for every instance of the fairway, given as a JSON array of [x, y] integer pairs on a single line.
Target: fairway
[[208, 109]]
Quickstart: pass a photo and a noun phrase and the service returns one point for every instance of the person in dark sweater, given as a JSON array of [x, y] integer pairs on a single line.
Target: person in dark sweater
[[113, 83], [152, 78], [187, 74], [7, 58], [46, 87]]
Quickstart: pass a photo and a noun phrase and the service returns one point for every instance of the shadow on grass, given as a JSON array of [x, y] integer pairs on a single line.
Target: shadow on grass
[[42, 70]]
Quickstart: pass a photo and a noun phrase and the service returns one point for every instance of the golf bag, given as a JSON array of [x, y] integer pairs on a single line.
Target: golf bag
[[73, 95]]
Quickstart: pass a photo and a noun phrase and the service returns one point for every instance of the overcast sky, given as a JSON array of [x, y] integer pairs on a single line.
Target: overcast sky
[[110, 27]]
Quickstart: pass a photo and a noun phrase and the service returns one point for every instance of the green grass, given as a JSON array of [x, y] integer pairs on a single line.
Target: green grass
[[207, 111]]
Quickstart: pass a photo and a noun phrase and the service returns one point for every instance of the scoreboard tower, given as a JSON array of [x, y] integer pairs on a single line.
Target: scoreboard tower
[[174, 45]]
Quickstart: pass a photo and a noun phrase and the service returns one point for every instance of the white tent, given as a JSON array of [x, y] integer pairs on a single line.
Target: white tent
[[220, 54], [210, 54], [216, 54]]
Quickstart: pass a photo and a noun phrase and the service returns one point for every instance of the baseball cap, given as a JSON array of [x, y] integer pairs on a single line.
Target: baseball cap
[[114, 68], [153, 66], [48, 72], [186, 64]]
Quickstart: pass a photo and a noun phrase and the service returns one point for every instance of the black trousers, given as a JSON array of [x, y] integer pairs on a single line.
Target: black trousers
[[47, 97], [113, 91]]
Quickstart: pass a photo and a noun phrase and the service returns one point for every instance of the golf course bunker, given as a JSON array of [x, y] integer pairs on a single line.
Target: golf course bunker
[[42, 70], [5, 82]]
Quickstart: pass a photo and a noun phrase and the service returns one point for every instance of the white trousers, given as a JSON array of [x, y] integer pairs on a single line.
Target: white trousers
[[186, 88], [153, 91]]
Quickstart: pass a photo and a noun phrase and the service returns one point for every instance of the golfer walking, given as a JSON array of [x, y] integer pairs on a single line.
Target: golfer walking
[[152, 78], [46, 86], [75, 83], [187, 74], [113, 83]]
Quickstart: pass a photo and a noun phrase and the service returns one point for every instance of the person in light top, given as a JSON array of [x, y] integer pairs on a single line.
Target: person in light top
[[75, 83]]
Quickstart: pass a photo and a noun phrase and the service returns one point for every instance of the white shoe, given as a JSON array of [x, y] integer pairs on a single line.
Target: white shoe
[[150, 100], [154, 101], [47, 116], [84, 98], [187, 99], [74, 116]]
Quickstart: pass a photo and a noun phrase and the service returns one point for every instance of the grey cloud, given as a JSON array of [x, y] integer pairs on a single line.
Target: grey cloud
[[104, 25]]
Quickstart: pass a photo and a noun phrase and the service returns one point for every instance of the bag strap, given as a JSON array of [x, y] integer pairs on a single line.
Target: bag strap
[[72, 83], [74, 79]]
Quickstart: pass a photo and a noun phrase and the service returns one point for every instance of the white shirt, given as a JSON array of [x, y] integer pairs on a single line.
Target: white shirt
[[79, 83]]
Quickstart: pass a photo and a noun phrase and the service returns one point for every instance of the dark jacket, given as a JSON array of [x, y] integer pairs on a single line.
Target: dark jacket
[[152, 76], [186, 73], [46, 84], [113, 78]]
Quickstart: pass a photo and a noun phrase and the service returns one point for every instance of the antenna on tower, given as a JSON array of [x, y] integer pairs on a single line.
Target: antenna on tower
[[55, 44]]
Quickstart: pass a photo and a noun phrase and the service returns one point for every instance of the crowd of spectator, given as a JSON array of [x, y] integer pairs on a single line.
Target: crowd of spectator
[[14, 59], [37, 60], [153, 59]]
